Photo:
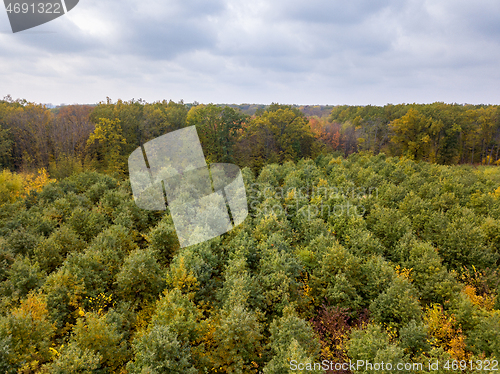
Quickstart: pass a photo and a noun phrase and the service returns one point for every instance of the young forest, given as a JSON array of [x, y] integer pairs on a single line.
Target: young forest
[[373, 236]]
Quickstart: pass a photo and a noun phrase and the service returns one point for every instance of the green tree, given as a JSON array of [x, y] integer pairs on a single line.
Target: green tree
[[236, 340], [104, 337], [5, 148], [276, 136], [337, 278], [26, 332], [73, 359], [23, 276], [163, 239], [163, 117], [52, 251], [398, 305], [65, 292], [217, 128], [372, 344], [412, 134], [140, 279], [159, 351], [277, 274], [292, 339]]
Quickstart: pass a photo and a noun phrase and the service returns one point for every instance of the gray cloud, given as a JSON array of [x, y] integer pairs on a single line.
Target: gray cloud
[[337, 12], [328, 52]]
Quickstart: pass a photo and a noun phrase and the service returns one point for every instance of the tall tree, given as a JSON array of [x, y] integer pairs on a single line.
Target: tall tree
[[277, 136], [412, 134], [71, 129], [217, 128], [108, 135]]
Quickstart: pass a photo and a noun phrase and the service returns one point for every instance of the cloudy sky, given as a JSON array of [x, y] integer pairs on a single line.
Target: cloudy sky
[[234, 51]]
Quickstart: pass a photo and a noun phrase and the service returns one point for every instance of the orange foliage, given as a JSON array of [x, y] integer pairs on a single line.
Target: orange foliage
[[485, 301], [34, 307], [444, 333], [478, 287], [328, 133]]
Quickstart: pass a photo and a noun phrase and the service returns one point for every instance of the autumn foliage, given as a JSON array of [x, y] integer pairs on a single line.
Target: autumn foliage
[[364, 257]]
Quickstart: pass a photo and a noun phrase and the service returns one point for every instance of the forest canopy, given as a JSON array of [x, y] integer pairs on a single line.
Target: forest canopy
[[361, 243], [63, 140], [339, 259]]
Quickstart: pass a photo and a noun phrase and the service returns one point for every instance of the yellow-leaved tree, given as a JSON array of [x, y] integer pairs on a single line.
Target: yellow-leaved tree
[[14, 186], [110, 142]]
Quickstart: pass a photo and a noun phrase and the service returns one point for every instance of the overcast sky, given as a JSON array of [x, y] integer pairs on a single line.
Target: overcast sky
[[232, 51]]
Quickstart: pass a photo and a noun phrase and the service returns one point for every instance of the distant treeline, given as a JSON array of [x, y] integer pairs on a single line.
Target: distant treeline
[[308, 110], [438, 132], [73, 138]]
